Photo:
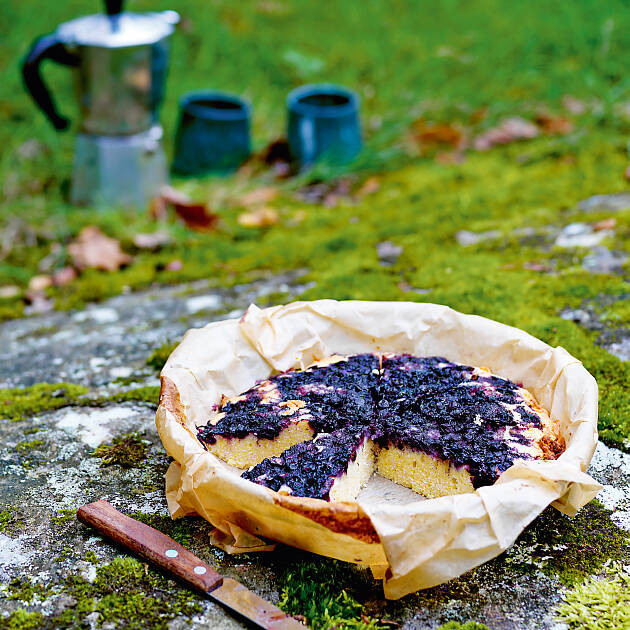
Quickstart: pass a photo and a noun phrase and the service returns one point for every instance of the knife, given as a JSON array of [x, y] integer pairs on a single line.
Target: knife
[[170, 556]]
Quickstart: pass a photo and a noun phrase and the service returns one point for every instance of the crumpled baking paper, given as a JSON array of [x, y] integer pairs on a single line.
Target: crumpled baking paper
[[410, 542]]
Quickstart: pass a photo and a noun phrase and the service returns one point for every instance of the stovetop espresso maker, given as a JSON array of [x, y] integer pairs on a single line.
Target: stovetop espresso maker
[[120, 64]]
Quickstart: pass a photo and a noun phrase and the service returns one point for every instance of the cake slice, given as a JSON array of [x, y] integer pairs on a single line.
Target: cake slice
[[334, 466]]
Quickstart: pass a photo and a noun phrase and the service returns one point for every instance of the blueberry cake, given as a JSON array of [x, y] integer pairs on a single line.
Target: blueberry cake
[[427, 423]]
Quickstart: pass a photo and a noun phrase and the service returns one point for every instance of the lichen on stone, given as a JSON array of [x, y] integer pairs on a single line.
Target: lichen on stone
[[599, 604], [127, 450], [468, 625]]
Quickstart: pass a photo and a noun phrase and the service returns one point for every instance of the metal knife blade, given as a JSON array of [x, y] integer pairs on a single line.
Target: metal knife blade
[[241, 600], [170, 556]]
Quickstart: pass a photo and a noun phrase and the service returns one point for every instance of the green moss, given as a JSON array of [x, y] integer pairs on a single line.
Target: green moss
[[26, 446], [11, 521], [63, 517], [128, 593], [21, 403], [25, 590], [90, 556], [571, 548], [128, 451], [158, 357], [148, 394], [469, 625], [180, 530], [599, 604], [20, 619], [312, 592]]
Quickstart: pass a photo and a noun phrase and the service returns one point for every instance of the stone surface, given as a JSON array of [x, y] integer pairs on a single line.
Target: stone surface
[[111, 341]]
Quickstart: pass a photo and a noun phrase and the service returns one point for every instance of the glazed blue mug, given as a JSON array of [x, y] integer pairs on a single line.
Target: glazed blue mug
[[213, 133], [323, 124]]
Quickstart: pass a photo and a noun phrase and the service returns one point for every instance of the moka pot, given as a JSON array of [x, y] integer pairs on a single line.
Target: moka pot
[[120, 64]]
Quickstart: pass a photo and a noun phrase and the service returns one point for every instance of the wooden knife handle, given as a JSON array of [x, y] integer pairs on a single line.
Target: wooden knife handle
[[150, 544]]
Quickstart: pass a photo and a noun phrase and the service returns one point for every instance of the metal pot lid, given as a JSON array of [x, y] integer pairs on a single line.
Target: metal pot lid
[[118, 31]]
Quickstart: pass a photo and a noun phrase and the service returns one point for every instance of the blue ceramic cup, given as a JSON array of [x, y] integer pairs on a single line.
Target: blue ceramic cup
[[323, 124], [213, 133]]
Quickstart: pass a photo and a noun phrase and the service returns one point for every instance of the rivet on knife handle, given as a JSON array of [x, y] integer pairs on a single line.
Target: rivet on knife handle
[[150, 544]]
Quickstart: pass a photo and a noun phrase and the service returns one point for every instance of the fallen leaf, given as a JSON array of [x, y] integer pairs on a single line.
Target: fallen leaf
[[430, 134], [508, 130], [554, 125], [9, 291], [259, 196], [154, 240], [39, 283], [94, 249], [369, 187], [277, 154], [574, 105], [605, 224], [449, 157], [174, 265], [195, 215], [262, 217], [64, 276], [626, 173], [38, 303], [172, 196], [535, 266], [328, 193]]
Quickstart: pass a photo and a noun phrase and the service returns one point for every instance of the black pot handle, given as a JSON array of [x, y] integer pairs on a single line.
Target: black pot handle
[[46, 47]]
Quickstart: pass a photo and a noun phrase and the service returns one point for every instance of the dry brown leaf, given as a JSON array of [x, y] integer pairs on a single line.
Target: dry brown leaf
[[605, 224], [554, 125], [261, 217], [94, 249], [39, 283], [259, 196], [63, 276], [432, 134], [9, 291], [626, 173], [574, 105], [172, 196], [174, 265], [369, 187], [508, 130], [38, 303], [154, 240], [195, 215]]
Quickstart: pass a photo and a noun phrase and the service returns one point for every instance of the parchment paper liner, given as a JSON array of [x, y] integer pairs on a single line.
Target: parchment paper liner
[[411, 545]]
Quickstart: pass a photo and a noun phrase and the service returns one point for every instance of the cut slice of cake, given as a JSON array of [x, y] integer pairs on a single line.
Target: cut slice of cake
[[334, 466]]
